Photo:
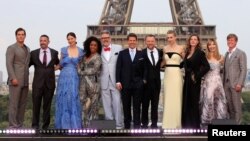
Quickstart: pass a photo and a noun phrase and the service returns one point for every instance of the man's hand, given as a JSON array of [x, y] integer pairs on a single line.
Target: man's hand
[[119, 86], [238, 88], [14, 82]]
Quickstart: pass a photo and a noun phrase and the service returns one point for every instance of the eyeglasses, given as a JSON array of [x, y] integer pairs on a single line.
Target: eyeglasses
[[103, 38]]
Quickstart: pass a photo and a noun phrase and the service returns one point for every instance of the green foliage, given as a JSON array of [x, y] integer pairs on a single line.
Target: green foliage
[[246, 108], [28, 112]]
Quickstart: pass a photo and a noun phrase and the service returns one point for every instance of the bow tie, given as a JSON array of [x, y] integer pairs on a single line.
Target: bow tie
[[106, 49]]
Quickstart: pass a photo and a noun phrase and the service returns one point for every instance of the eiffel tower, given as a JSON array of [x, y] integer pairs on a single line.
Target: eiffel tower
[[186, 15]]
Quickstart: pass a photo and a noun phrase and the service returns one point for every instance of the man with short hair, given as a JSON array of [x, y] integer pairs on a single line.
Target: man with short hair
[[153, 59], [234, 74], [44, 60], [130, 80], [111, 97], [17, 63]]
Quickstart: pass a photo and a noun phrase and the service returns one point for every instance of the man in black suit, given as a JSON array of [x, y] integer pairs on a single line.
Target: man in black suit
[[130, 80], [44, 60], [153, 59]]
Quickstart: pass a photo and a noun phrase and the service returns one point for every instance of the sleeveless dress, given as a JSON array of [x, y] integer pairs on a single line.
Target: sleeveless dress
[[212, 97], [68, 112], [173, 83]]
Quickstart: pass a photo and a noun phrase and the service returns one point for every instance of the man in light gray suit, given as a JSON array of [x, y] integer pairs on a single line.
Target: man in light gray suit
[[235, 69], [17, 63], [111, 97]]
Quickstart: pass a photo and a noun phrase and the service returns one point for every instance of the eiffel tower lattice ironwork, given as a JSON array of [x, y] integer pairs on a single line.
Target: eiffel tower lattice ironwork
[[186, 15]]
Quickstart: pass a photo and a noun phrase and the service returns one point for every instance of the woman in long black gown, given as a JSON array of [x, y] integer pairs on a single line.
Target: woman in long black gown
[[196, 66]]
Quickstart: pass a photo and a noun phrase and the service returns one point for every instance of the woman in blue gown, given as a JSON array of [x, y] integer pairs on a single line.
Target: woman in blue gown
[[68, 112]]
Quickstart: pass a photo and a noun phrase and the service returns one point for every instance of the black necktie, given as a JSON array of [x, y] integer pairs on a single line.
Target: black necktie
[[153, 59], [44, 59]]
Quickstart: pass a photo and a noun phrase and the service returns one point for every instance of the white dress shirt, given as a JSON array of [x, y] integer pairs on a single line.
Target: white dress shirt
[[155, 54], [47, 53]]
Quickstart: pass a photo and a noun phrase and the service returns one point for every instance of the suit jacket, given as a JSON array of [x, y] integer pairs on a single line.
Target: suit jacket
[[44, 75], [109, 66], [152, 72], [17, 63], [130, 74], [235, 68]]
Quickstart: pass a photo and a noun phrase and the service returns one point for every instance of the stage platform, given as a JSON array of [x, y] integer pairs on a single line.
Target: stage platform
[[103, 138], [104, 135]]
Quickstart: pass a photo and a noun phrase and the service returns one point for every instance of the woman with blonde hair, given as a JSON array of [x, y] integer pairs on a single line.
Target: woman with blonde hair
[[212, 96]]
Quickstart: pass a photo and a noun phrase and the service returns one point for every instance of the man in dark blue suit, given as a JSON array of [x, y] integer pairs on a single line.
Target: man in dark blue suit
[[44, 60], [130, 80], [153, 59]]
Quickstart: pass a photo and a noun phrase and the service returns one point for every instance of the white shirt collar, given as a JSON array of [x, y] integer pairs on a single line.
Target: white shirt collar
[[232, 50]]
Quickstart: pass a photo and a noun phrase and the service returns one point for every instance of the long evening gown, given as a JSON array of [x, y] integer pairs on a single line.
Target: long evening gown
[[196, 66], [213, 102], [173, 84], [89, 71], [68, 113]]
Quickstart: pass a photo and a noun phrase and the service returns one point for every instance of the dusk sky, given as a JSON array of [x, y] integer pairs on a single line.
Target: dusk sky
[[58, 17]]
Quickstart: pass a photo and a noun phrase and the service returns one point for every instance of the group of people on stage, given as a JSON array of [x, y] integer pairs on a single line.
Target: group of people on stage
[[198, 87]]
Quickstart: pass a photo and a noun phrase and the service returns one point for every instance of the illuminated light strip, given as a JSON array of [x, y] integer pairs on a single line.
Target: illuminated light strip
[[88, 131], [105, 131], [18, 131], [185, 131], [132, 131]]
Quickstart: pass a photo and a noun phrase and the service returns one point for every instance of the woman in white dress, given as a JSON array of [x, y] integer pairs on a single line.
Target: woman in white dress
[[173, 82]]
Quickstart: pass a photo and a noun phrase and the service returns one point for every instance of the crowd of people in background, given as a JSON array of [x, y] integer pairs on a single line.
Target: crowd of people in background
[[198, 86]]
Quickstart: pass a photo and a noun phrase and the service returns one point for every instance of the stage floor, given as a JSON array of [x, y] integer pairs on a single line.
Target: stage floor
[[104, 135], [104, 138]]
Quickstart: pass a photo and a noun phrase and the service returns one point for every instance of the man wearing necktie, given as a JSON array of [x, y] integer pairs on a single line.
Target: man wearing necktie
[[234, 75], [153, 58], [130, 79], [111, 97], [44, 60]]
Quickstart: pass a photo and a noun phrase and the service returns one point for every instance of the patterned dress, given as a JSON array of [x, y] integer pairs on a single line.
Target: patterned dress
[[212, 97], [68, 106], [89, 71]]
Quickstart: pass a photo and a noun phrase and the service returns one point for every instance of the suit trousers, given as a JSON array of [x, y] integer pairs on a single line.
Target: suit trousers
[[234, 102], [17, 103], [151, 96], [38, 95], [111, 99], [132, 96]]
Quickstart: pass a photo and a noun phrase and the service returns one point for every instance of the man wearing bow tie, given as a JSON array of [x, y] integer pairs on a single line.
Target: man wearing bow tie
[[44, 60], [234, 75], [111, 97]]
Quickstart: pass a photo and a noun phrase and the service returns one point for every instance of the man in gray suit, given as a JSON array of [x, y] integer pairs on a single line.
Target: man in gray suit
[[235, 69], [17, 63], [111, 97]]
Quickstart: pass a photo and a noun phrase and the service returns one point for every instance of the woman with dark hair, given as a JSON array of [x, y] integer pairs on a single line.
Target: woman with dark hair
[[89, 71], [196, 66], [68, 106]]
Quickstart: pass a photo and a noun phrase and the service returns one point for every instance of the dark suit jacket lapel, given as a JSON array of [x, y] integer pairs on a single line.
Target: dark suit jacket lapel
[[160, 57], [37, 54], [52, 53], [145, 53], [136, 55]]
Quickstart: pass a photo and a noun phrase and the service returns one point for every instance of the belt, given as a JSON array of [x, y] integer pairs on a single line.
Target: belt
[[172, 66]]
